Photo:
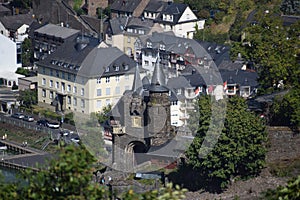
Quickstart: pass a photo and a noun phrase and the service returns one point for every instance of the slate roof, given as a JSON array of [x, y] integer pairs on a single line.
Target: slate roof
[[125, 5], [288, 20], [57, 31], [178, 82], [99, 58], [239, 76], [4, 9], [155, 6], [67, 53], [175, 9], [218, 52], [90, 61], [14, 22], [117, 25], [174, 44]]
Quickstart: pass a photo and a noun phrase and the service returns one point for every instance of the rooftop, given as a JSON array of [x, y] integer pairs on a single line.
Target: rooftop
[[57, 31]]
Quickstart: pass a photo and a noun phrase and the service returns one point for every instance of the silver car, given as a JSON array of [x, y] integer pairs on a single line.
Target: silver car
[[28, 118]]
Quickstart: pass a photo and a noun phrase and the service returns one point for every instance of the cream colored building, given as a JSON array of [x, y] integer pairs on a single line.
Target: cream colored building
[[92, 81]]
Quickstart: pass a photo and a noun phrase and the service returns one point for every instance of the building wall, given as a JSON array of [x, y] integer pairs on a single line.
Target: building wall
[[21, 33], [111, 91], [118, 41], [3, 30], [8, 54]]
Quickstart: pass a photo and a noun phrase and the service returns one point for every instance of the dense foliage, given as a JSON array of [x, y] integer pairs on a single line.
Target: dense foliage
[[69, 176], [27, 98], [27, 55], [239, 150], [289, 192], [286, 110], [273, 48]]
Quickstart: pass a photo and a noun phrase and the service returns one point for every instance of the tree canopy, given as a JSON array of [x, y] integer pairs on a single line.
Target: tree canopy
[[239, 150], [273, 48], [69, 176]]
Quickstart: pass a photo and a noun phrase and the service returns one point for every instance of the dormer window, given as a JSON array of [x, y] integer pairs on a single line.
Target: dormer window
[[149, 45], [125, 66], [162, 47], [129, 30], [117, 68], [107, 69]]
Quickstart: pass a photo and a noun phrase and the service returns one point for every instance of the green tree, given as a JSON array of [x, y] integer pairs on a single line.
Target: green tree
[[286, 110], [22, 3], [27, 98], [289, 192], [239, 150], [22, 71], [273, 48], [68, 176], [27, 54], [103, 115]]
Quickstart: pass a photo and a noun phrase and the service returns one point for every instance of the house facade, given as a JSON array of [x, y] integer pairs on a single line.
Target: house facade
[[84, 80]]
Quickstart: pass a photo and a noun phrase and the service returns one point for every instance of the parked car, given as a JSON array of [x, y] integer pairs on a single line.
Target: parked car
[[65, 132], [18, 115], [53, 124], [75, 140], [28, 118], [42, 122]]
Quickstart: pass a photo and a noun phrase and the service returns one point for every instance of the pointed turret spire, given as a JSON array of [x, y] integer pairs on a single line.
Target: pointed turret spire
[[158, 77], [137, 82]]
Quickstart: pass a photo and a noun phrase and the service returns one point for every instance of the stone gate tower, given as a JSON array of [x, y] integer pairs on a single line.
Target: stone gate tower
[[141, 119]]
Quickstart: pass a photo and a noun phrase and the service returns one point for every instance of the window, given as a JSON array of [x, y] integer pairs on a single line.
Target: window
[[107, 79], [44, 93], [98, 80], [128, 39], [51, 83], [136, 121], [117, 90], [107, 69], [162, 47], [51, 72], [146, 62], [149, 45], [51, 94], [69, 76], [174, 103], [99, 92], [117, 79], [44, 70], [74, 89], [69, 100], [107, 91], [63, 75], [82, 91], [74, 101], [141, 32], [57, 85], [99, 104], [107, 102], [117, 68], [69, 88], [57, 73], [82, 103], [126, 77], [62, 86], [43, 81], [127, 87]]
